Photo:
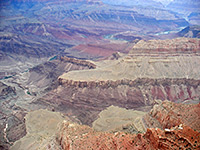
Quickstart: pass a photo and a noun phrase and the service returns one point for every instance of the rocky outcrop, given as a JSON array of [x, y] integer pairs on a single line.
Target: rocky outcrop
[[74, 136], [130, 83], [150, 89], [182, 134], [44, 76], [168, 115], [48, 130], [51, 131]]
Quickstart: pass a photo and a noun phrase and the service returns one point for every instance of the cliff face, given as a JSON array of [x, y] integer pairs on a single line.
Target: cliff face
[[86, 99]]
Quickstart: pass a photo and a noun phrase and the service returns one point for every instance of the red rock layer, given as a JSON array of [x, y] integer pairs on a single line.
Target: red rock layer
[[86, 99], [77, 137], [151, 89], [168, 114]]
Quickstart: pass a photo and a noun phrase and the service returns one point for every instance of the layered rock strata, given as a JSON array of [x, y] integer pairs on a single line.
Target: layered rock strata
[[180, 135], [132, 81], [173, 45], [86, 100]]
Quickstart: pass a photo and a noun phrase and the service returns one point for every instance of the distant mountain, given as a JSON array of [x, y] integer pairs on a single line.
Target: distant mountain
[[164, 2], [194, 18], [184, 6], [190, 31], [134, 2]]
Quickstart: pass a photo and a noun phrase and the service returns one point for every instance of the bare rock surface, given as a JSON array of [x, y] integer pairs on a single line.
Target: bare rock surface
[[168, 114], [116, 118]]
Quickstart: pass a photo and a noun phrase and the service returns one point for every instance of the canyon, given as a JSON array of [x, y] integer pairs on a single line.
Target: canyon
[[82, 90], [91, 74]]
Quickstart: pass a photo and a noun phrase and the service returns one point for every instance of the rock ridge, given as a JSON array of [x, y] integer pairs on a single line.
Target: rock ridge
[[168, 114], [170, 46], [131, 83], [74, 136], [78, 62]]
